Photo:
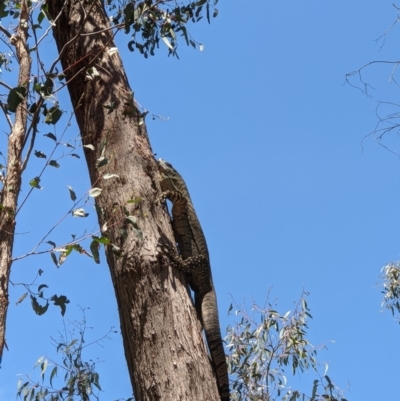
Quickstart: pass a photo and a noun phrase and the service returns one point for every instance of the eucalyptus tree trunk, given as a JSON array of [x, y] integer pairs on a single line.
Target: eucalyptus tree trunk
[[165, 353], [12, 180]]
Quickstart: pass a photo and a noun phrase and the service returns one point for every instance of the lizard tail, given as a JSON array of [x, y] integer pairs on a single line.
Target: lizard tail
[[213, 334]]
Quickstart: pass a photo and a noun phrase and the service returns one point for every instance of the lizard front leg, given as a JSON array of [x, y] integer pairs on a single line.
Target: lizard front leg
[[198, 264], [173, 196]]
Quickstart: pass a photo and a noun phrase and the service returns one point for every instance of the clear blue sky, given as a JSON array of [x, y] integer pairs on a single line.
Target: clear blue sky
[[270, 142]]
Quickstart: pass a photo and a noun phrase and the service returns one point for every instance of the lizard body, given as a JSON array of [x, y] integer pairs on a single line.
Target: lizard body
[[194, 261]]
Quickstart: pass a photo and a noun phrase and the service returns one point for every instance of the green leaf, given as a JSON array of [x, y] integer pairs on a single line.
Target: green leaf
[[69, 249], [54, 258], [130, 45], [94, 248], [95, 380], [167, 42], [39, 154], [60, 301], [63, 256], [132, 220], [110, 106], [102, 161], [47, 88], [15, 97], [53, 163], [39, 309], [108, 176], [71, 193], [32, 107], [101, 240], [21, 298], [135, 200], [95, 192], [328, 380], [42, 286], [45, 11], [314, 390], [43, 368], [184, 33], [53, 115], [79, 213], [40, 17], [34, 182], [3, 12], [53, 373], [51, 136]]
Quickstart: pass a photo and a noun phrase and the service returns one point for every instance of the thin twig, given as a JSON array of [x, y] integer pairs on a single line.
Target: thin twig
[[8, 34]]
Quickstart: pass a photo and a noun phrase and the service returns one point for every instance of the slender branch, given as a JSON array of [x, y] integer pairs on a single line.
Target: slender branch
[[387, 30], [5, 85], [63, 50], [3, 107], [33, 127], [74, 242], [8, 34], [52, 23], [118, 26], [45, 166]]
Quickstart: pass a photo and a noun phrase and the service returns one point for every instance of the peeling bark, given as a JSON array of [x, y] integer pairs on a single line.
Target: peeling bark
[[164, 349]]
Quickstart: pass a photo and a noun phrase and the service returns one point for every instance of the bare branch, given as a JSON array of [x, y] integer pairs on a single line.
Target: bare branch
[[8, 34]]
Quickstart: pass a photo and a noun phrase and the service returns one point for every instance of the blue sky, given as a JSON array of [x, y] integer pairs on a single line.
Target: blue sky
[[289, 190]]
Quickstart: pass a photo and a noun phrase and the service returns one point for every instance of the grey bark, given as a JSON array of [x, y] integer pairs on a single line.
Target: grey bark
[[164, 350]]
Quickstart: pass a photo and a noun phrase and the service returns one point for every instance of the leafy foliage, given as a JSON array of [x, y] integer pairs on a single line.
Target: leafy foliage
[[260, 353], [80, 381], [37, 306], [164, 19], [391, 287]]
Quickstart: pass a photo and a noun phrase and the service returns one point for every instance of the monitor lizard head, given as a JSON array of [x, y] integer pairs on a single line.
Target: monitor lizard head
[[171, 179]]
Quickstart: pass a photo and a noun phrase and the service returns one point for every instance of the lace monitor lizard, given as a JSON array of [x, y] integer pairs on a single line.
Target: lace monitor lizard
[[194, 261]]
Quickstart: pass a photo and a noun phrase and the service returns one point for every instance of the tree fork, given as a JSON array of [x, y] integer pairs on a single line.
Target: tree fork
[[164, 349]]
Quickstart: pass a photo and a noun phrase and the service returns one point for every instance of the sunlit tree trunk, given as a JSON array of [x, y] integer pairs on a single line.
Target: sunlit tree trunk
[[12, 179], [164, 350]]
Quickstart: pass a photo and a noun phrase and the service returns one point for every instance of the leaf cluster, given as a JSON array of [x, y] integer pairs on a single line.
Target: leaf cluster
[[391, 287], [80, 378], [262, 347], [149, 21]]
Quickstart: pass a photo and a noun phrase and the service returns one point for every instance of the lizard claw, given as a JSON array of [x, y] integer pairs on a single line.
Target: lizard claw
[[170, 252], [160, 200]]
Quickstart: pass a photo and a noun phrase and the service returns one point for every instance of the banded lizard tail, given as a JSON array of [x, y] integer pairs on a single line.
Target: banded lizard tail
[[194, 261]]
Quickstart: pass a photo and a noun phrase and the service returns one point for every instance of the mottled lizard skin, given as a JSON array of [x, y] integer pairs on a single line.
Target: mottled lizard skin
[[193, 259]]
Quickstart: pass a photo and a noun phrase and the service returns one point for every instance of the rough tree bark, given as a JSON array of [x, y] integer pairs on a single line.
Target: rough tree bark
[[12, 180], [163, 346]]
